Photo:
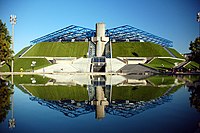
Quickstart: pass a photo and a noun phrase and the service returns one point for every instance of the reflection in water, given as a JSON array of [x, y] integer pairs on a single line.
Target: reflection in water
[[5, 92], [12, 121], [100, 100], [105, 95], [6, 96], [194, 88], [115, 95], [69, 108], [125, 109]]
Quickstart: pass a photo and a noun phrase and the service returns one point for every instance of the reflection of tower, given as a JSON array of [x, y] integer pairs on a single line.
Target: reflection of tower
[[99, 49], [12, 121], [100, 100]]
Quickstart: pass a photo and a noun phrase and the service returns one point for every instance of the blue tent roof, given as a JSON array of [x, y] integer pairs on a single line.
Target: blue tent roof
[[121, 33]]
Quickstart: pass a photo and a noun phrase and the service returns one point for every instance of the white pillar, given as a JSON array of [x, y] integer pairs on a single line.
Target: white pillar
[[100, 32], [100, 39]]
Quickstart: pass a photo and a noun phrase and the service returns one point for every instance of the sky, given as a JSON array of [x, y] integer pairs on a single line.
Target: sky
[[171, 19]]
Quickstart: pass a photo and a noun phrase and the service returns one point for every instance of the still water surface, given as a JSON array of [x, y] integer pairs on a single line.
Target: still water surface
[[84, 103]]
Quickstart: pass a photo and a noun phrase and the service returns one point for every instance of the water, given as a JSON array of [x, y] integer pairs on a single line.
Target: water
[[83, 103]]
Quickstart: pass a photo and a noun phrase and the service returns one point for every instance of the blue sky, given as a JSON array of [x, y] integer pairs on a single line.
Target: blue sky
[[172, 19]]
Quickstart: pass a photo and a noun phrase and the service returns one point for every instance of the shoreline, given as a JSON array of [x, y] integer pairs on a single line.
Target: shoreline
[[97, 73]]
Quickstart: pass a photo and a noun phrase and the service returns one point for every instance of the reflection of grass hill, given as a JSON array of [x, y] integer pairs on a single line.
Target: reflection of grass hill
[[175, 88], [77, 93], [161, 80], [139, 93], [26, 79]]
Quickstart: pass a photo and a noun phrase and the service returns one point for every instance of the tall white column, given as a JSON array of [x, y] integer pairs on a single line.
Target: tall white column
[[13, 20], [100, 39], [12, 68]]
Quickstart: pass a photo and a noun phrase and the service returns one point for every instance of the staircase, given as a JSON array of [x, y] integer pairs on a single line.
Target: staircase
[[98, 64], [82, 64], [91, 49], [114, 64]]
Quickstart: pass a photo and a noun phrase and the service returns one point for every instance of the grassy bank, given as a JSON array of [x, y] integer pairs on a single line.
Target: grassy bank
[[192, 65], [59, 49], [138, 49], [163, 63], [176, 53], [79, 49], [25, 63]]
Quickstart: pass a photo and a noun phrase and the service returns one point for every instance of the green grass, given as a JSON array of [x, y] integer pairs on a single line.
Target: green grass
[[137, 93], [161, 80], [21, 51], [175, 88], [59, 49], [174, 52], [140, 49], [26, 79], [25, 63], [79, 49], [163, 63], [192, 78], [77, 93], [192, 65]]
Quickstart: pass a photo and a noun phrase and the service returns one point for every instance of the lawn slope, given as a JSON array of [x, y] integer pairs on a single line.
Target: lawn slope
[[79, 49], [59, 49], [138, 49]]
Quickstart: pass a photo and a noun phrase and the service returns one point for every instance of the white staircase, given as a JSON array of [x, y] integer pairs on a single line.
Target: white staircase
[[113, 64], [82, 64], [58, 68]]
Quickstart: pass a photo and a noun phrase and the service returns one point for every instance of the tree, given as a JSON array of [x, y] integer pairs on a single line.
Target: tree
[[5, 43], [195, 50]]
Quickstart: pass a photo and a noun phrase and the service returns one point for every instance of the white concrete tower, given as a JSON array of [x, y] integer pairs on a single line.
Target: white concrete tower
[[100, 40]]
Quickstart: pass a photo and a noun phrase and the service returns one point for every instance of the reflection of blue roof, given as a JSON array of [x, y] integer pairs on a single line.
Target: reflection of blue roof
[[118, 34], [73, 110]]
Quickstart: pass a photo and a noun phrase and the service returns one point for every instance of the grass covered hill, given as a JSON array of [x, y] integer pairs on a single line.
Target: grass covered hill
[[176, 53], [25, 63], [59, 49], [119, 49], [163, 63], [138, 49]]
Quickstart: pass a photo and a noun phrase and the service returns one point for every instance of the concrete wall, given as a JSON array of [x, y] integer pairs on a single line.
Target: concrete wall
[[82, 64], [113, 65], [133, 60]]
